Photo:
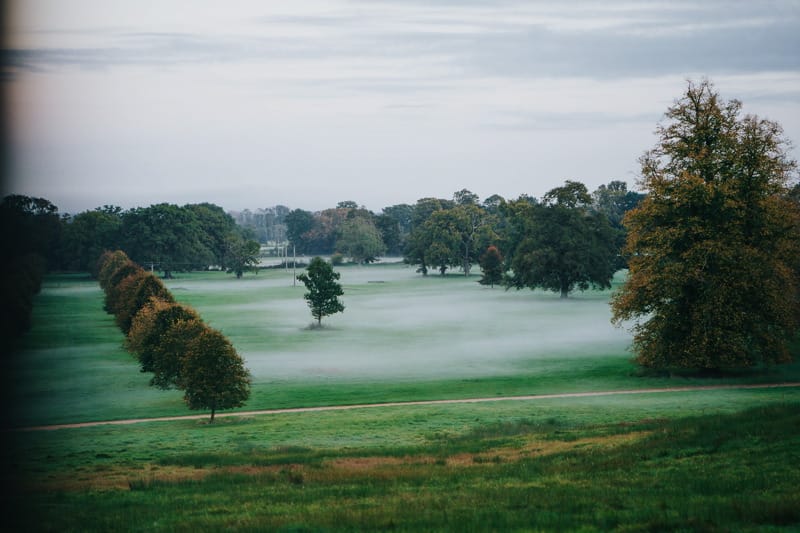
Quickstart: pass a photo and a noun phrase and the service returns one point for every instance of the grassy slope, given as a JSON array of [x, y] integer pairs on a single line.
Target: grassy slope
[[550, 471]]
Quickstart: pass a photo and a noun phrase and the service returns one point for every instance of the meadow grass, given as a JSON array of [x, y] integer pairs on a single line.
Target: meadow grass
[[504, 467]]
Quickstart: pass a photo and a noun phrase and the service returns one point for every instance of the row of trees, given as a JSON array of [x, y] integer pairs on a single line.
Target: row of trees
[[170, 340], [165, 237], [29, 227]]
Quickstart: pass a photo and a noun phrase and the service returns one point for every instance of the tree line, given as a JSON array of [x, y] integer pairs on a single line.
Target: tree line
[[169, 339]]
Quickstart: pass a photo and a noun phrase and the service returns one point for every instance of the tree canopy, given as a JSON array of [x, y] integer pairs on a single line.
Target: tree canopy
[[323, 289], [713, 248], [564, 245]]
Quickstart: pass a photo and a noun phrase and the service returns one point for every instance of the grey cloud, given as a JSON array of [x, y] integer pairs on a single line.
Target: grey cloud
[[644, 39]]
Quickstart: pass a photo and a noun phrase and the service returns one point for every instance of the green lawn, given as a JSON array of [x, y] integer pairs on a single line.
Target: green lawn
[[402, 337], [716, 460]]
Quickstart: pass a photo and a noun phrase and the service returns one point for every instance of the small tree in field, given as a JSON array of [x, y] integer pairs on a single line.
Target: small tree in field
[[213, 375], [492, 266], [323, 289]]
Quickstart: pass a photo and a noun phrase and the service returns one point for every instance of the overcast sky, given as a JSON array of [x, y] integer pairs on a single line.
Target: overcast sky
[[250, 104]]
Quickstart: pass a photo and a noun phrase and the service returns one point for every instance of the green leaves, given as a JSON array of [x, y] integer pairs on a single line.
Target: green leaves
[[714, 246], [323, 289]]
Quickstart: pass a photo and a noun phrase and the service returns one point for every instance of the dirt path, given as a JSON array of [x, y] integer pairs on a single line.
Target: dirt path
[[420, 402]]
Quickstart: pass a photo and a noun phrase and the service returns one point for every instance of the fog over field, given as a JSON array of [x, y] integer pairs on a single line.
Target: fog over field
[[400, 325]]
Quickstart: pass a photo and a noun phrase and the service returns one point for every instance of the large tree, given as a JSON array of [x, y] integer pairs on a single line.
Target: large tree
[[714, 246], [565, 244], [323, 289]]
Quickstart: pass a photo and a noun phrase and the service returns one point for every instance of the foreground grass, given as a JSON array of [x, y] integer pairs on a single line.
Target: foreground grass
[[551, 471]]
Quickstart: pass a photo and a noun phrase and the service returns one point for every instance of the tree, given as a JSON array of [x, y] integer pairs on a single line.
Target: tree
[[107, 264], [465, 197], [360, 240], [87, 235], [714, 245], [491, 262], [135, 292], [323, 289], [442, 240], [566, 246], [216, 227], [213, 374], [298, 225], [148, 339], [167, 235], [117, 286], [242, 255], [417, 249], [614, 200]]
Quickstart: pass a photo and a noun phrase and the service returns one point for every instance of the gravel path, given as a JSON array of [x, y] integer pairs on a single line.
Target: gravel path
[[404, 404]]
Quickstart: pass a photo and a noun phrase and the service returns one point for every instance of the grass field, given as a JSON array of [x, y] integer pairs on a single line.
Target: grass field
[[711, 460]]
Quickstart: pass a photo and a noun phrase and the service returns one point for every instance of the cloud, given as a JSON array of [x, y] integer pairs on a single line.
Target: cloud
[[510, 39]]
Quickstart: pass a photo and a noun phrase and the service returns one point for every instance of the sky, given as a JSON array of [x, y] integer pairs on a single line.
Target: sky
[[250, 104]]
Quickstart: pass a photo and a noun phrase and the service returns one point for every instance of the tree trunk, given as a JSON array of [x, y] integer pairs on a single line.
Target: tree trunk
[[564, 292], [212, 416]]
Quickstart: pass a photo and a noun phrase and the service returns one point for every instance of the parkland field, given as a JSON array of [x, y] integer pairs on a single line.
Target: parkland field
[[709, 459]]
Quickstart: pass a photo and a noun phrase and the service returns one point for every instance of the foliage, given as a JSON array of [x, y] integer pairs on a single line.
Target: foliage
[[213, 375], [394, 222], [491, 262], [116, 288], [30, 226], [166, 235], [20, 280], [564, 245], [170, 340], [443, 240], [216, 229], [713, 249], [242, 255], [298, 224], [323, 289], [155, 348], [447, 234], [144, 286], [107, 264], [87, 235], [359, 239], [613, 201], [29, 237]]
